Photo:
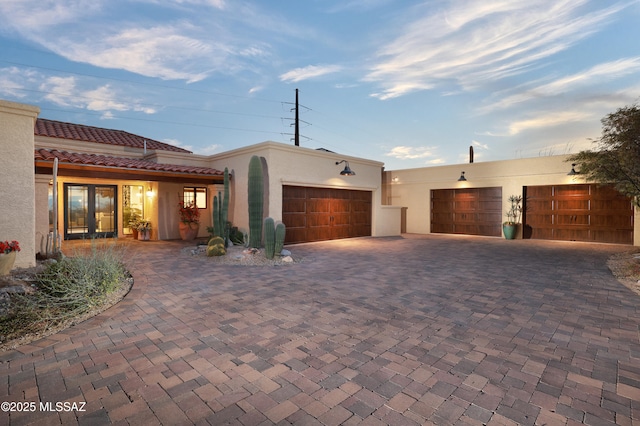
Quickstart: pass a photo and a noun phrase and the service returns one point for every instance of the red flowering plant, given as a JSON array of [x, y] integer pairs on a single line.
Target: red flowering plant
[[7, 247], [189, 212]]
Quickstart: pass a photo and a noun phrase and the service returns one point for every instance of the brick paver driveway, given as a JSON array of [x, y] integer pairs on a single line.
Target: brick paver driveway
[[414, 330]]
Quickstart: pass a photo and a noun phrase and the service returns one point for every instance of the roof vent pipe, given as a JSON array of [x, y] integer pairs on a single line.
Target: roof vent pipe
[[471, 154], [145, 147]]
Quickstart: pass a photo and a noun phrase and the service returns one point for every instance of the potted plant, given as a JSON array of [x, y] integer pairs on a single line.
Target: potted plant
[[133, 225], [8, 250], [514, 214], [144, 229], [189, 220]]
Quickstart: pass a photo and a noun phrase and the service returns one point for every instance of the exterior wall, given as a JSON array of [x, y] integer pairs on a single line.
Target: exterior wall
[[167, 216], [411, 188], [292, 165], [17, 179]]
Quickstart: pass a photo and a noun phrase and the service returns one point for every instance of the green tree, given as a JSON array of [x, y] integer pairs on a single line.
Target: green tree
[[616, 160]]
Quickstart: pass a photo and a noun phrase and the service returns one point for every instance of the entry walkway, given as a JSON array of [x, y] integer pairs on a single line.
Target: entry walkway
[[399, 331]]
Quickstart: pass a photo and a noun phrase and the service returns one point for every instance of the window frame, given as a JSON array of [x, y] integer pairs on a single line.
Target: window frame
[[191, 193]]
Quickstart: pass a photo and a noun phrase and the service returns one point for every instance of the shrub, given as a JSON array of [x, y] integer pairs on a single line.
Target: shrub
[[67, 289]]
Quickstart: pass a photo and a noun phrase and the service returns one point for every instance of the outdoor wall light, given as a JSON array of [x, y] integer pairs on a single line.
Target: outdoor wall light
[[149, 192], [347, 170], [462, 178], [573, 170]]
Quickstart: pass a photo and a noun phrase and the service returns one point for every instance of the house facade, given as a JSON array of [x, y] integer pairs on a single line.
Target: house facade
[[106, 177]]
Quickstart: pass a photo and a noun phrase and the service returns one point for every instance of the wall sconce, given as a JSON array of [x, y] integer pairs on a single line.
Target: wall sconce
[[347, 170], [573, 170], [462, 178], [395, 179], [149, 192]]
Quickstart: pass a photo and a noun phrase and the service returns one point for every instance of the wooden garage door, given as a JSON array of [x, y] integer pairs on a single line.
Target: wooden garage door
[[317, 214], [473, 211], [578, 213]]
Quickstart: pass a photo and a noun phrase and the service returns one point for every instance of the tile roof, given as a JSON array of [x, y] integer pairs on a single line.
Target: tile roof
[[120, 162], [79, 132]]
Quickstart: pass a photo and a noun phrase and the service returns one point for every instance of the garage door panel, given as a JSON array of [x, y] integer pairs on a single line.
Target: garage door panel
[[572, 219], [341, 219], [318, 206], [574, 204], [340, 206], [293, 192], [294, 206], [296, 235], [294, 220]]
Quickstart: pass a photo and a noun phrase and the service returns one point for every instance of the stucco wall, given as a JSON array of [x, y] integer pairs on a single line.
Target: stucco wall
[[298, 166], [17, 184], [167, 216], [411, 188]]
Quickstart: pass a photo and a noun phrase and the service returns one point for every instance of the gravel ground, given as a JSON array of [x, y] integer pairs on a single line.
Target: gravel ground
[[626, 268], [239, 255]]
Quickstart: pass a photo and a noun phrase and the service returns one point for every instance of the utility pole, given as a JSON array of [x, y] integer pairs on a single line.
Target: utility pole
[[297, 122]]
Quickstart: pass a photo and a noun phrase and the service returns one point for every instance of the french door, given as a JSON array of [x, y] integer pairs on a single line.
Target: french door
[[90, 211]]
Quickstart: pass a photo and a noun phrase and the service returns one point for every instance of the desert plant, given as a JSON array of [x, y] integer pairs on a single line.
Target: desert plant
[[221, 210], [269, 237], [280, 236], [216, 247], [514, 214], [67, 289], [255, 193]]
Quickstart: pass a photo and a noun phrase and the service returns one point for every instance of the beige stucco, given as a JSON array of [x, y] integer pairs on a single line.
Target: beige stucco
[[17, 206], [298, 166], [411, 188]]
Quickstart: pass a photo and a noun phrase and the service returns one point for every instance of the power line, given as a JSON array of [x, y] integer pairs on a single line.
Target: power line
[[165, 121], [161, 106], [142, 83]]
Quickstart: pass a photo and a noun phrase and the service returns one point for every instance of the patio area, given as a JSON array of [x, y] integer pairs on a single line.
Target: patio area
[[422, 329]]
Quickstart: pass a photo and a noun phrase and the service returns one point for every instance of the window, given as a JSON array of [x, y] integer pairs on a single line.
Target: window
[[199, 194]]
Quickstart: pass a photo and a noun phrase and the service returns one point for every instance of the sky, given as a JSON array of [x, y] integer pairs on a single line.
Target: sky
[[408, 83]]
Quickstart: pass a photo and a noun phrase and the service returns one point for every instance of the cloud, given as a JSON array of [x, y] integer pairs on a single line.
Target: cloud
[[410, 152], [548, 120], [200, 38], [308, 72], [65, 91], [14, 80], [470, 43], [209, 149], [480, 145], [598, 74], [178, 143]]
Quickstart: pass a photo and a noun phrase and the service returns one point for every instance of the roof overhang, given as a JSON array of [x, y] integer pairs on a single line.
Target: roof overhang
[[122, 173]]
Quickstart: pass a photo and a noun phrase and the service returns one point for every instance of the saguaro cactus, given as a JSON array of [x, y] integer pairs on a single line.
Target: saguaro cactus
[[279, 237], [224, 213], [255, 193], [221, 210], [269, 238]]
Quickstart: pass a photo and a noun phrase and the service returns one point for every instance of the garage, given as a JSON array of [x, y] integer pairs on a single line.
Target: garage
[[318, 214], [578, 213], [472, 211]]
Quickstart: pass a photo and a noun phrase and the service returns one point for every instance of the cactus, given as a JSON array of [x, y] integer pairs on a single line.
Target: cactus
[[216, 217], [255, 194], [269, 237], [224, 212], [221, 210], [280, 233], [216, 247]]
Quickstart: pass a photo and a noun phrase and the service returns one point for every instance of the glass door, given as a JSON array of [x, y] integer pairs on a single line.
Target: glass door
[[132, 206], [90, 210]]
